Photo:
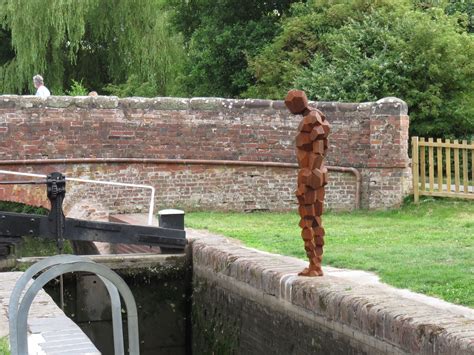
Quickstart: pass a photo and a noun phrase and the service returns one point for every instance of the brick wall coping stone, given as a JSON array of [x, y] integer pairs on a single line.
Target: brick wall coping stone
[[370, 136], [49, 330], [352, 303], [387, 106]]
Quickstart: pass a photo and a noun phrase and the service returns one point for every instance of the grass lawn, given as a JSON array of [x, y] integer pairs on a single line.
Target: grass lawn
[[4, 348], [427, 248]]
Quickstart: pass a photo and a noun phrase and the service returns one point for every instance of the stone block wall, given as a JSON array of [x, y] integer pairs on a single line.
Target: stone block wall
[[250, 302], [371, 137]]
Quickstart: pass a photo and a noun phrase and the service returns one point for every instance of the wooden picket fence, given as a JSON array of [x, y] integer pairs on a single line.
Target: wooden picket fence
[[433, 170]]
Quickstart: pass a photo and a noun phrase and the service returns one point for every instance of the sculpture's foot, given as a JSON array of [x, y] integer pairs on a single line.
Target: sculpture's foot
[[311, 272]]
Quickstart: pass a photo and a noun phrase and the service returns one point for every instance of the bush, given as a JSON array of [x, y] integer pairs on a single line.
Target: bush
[[77, 89], [4, 347], [220, 37], [363, 51], [132, 87], [8, 206], [277, 65]]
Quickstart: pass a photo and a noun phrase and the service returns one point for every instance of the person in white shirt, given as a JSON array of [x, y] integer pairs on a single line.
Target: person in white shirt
[[41, 90]]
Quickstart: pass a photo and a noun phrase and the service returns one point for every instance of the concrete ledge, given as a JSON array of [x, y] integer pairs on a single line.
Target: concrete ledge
[[390, 106], [385, 106], [359, 313], [126, 262]]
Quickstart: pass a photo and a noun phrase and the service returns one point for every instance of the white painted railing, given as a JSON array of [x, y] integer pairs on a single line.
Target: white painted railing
[[112, 183]]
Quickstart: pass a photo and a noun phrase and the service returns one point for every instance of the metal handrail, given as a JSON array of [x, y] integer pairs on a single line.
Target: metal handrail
[[351, 170], [59, 265], [100, 182], [83, 266]]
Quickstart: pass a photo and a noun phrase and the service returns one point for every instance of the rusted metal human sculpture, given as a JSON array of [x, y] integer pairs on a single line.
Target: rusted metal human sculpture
[[311, 145]]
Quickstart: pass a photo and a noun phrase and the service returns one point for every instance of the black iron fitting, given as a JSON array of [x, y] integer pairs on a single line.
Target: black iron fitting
[[56, 191], [170, 237], [56, 185]]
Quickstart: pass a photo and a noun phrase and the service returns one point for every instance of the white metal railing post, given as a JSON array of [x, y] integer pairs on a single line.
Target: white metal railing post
[[79, 266], [17, 337]]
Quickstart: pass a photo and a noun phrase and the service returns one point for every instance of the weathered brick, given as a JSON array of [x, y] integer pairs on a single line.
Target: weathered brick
[[363, 136]]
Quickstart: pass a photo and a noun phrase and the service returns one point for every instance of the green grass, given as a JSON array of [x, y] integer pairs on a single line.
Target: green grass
[[4, 348], [427, 248]]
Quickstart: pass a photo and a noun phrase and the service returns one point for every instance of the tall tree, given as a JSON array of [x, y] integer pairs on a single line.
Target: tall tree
[[101, 42], [363, 50], [220, 36]]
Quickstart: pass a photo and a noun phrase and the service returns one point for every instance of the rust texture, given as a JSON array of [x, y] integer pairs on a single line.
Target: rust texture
[[311, 148]]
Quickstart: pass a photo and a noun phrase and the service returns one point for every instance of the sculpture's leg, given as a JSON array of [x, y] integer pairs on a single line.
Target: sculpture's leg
[[312, 144]]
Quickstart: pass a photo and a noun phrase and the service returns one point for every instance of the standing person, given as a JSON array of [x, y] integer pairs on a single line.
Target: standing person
[[41, 90]]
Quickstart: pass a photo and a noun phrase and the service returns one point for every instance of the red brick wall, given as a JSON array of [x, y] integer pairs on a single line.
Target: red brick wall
[[371, 137]]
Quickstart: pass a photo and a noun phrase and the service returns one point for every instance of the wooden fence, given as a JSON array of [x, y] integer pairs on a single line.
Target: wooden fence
[[433, 170]]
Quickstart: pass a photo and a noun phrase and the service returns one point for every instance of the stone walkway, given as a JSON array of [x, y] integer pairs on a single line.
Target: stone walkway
[[50, 332]]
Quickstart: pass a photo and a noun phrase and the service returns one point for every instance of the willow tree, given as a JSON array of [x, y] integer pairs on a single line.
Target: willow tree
[[99, 41]]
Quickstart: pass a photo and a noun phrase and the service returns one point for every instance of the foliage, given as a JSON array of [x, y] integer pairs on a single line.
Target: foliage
[[300, 39], [365, 50], [452, 7], [6, 51], [464, 7], [426, 248], [100, 41], [220, 36], [4, 347], [22, 208], [77, 89], [132, 87]]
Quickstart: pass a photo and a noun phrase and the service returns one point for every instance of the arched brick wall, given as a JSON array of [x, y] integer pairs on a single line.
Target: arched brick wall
[[371, 137]]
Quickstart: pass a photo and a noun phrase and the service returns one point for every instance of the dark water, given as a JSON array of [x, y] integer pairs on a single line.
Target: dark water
[[162, 298]]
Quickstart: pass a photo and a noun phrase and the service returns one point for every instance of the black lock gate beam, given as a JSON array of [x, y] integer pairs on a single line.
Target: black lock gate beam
[[57, 226]]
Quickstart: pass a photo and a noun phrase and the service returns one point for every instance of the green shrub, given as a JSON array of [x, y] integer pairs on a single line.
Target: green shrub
[[22, 208], [364, 50], [299, 40], [132, 87], [77, 89], [4, 347], [220, 37]]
